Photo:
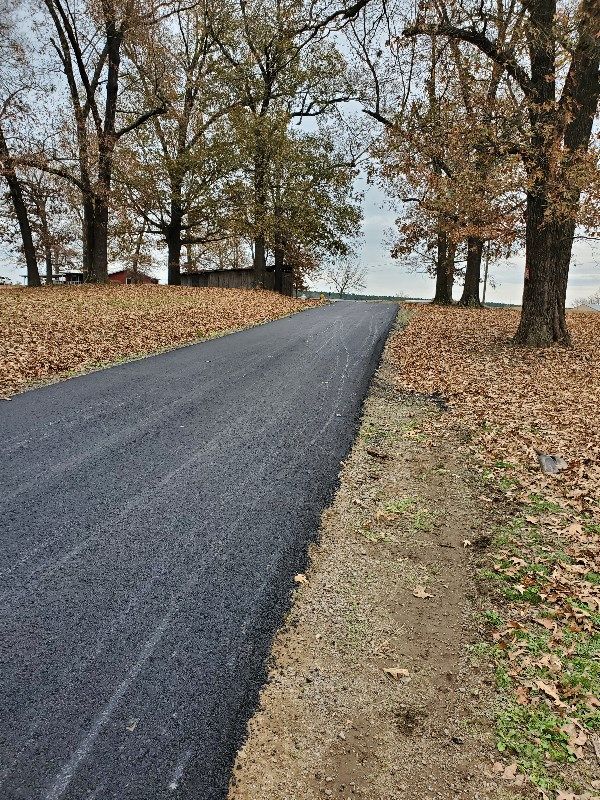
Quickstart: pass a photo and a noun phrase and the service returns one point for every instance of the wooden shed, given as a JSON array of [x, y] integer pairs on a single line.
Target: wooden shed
[[242, 278]]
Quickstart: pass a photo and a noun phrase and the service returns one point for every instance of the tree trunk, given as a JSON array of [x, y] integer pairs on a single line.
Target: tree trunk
[[174, 242], [443, 287], [260, 261], [99, 260], [278, 251], [470, 295], [450, 259], [278, 275], [16, 194], [486, 270], [106, 149], [135, 262], [260, 210], [547, 257], [87, 234]]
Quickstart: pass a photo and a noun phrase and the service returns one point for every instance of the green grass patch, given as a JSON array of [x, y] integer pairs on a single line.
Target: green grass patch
[[532, 735]]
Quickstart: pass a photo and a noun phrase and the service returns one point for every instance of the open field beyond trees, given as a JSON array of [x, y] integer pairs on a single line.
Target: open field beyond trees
[[48, 333]]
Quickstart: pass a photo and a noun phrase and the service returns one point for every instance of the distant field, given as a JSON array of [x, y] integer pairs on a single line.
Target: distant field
[[52, 332]]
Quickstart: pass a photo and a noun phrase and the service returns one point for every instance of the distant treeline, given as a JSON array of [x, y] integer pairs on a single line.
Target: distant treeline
[[393, 297]]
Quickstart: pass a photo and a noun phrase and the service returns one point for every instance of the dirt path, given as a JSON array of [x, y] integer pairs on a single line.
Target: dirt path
[[374, 691]]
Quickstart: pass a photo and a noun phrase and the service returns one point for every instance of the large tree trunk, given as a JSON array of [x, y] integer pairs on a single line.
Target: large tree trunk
[[443, 286], [16, 194], [106, 150], [48, 260], [174, 242], [87, 234], [547, 257], [470, 295], [99, 260], [549, 237], [260, 261]]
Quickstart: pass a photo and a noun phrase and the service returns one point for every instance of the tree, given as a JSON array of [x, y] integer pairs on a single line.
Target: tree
[[438, 157], [16, 83], [555, 135], [344, 274], [174, 170], [87, 39], [286, 70], [312, 206]]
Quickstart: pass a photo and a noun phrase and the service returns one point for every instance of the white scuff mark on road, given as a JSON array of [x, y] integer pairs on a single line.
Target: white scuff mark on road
[[68, 771], [179, 770]]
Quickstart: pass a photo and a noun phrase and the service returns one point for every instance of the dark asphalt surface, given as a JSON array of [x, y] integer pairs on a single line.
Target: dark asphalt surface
[[153, 517]]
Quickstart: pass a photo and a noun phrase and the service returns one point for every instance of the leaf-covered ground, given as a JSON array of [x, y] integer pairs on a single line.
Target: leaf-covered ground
[[541, 571], [52, 332]]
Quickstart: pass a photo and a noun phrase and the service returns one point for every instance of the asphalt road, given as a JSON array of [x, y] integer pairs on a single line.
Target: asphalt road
[[153, 516]]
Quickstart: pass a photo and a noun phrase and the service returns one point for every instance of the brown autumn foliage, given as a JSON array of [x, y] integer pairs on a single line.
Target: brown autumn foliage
[[52, 331]]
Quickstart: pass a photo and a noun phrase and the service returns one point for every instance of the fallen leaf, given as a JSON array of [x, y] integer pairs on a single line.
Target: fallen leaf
[[300, 578], [60, 329], [419, 591], [377, 454], [545, 623], [397, 673], [548, 689]]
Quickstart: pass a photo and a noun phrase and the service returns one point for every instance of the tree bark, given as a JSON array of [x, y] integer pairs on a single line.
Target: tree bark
[[99, 262], [260, 261], [260, 210], [470, 295], [443, 286], [548, 255], [16, 195], [279, 257], [135, 262], [174, 241], [450, 260]]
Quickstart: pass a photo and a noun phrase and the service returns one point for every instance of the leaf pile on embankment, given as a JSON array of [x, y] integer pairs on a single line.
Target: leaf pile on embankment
[[541, 573], [53, 331], [518, 400]]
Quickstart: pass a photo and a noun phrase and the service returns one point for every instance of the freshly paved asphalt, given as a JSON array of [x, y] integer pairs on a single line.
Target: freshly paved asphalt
[[153, 516]]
